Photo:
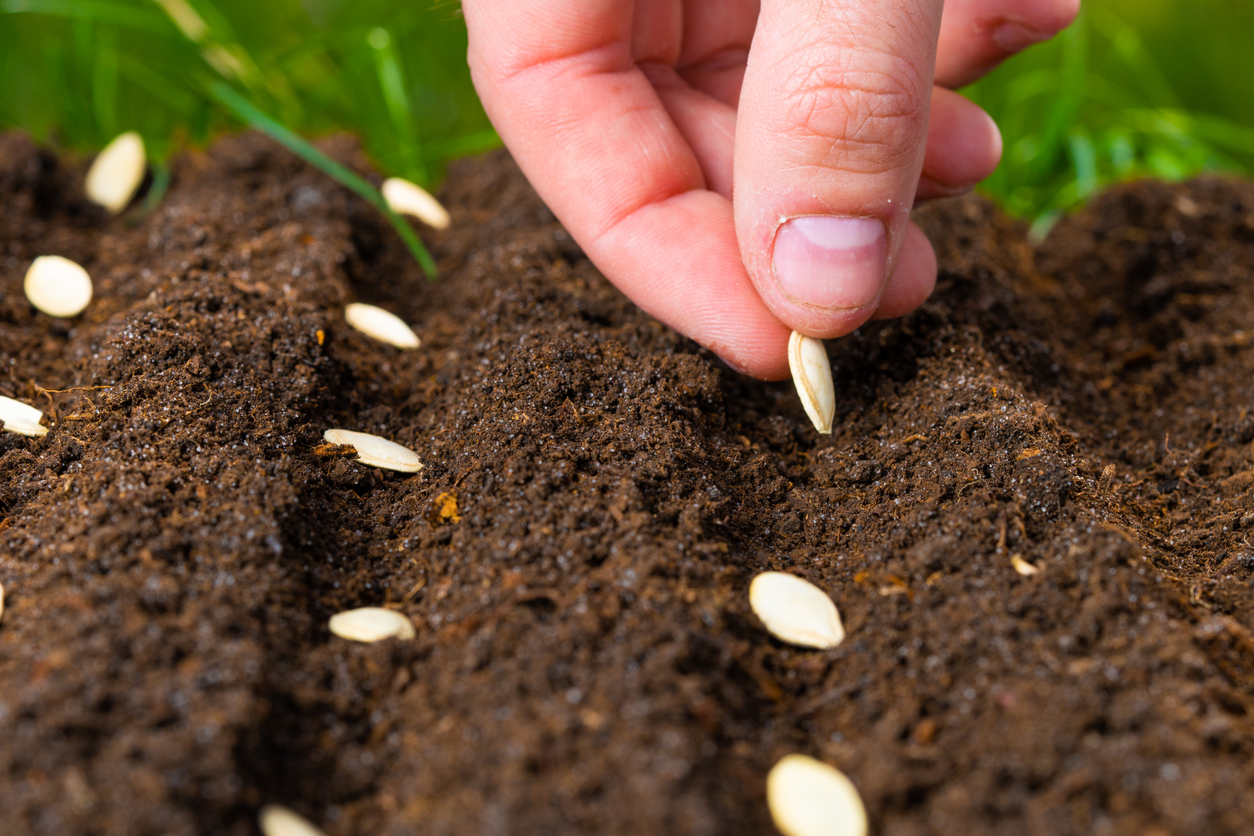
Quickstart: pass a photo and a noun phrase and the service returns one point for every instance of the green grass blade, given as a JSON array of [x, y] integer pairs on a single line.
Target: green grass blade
[[462, 146], [76, 120], [1084, 162], [160, 185], [156, 84], [186, 18], [1067, 104], [1204, 126], [297, 145], [1127, 44], [209, 29], [100, 11], [1121, 152], [392, 82], [104, 91]]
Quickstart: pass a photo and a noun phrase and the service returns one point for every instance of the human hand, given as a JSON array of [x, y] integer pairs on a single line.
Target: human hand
[[743, 172]]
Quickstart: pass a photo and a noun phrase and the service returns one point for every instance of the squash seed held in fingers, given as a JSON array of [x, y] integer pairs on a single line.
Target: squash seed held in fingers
[[371, 624], [20, 418], [58, 286], [812, 375], [406, 198], [810, 798], [795, 610], [377, 452], [117, 173], [277, 820], [383, 326]]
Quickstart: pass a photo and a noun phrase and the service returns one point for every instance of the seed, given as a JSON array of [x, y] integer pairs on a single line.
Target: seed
[[795, 610], [1022, 566], [810, 798], [812, 375], [277, 820], [116, 174], [378, 323], [1, 602], [58, 286], [377, 452], [20, 418], [371, 624], [407, 198]]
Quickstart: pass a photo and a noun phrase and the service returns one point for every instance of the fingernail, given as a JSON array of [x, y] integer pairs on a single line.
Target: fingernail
[[728, 363], [1013, 37], [831, 262], [930, 189]]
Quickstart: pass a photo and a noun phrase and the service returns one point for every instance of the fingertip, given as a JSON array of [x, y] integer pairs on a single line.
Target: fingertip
[[964, 145], [763, 359], [930, 189], [996, 144], [977, 35], [914, 278], [1034, 24]]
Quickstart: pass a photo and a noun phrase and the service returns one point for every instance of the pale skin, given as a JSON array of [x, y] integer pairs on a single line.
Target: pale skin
[[740, 169]]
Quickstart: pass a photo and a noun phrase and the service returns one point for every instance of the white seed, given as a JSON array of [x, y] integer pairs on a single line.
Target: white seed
[[812, 375], [378, 323], [408, 198], [377, 452], [810, 798], [277, 820], [116, 174], [371, 624], [795, 610], [1022, 566], [20, 418], [58, 286]]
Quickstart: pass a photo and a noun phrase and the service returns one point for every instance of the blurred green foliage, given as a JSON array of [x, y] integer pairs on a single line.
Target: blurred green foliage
[[78, 72], [1135, 87]]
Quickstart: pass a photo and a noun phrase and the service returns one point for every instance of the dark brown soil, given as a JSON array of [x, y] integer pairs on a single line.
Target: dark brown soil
[[586, 659]]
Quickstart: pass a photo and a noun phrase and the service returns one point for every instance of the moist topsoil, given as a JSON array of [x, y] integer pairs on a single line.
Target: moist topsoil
[[598, 495]]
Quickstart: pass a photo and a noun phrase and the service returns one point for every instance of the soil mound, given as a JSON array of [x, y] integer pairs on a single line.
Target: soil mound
[[597, 496]]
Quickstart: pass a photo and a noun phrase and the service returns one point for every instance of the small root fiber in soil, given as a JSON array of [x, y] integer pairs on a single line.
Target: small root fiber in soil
[[598, 495]]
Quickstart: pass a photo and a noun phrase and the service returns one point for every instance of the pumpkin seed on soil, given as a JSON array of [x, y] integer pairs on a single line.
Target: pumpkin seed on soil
[[585, 658]]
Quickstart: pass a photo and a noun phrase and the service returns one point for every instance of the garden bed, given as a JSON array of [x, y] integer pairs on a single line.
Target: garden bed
[[597, 495]]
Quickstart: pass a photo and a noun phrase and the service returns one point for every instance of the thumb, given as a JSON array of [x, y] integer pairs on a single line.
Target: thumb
[[830, 136]]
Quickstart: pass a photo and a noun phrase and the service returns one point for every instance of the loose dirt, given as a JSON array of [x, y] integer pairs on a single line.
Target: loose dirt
[[597, 495]]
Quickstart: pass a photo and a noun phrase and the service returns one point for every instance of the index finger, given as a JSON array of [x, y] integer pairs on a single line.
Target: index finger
[[562, 86]]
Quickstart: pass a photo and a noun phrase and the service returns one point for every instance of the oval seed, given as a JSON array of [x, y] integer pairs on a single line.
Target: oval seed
[[371, 624], [117, 172], [20, 418], [1022, 566], [809, 798], [378, 323], [377, 452], [277, 820], [795, 610], [812, 375], [406, 198], [58, 286]]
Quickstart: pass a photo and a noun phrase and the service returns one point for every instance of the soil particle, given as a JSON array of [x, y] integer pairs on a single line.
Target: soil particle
[[597, 496]]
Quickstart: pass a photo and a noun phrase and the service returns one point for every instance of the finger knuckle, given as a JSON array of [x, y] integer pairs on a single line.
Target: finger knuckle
[[860, 112]]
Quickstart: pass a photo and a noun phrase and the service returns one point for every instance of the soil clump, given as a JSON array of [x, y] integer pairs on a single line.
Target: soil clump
[[597, 495]]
